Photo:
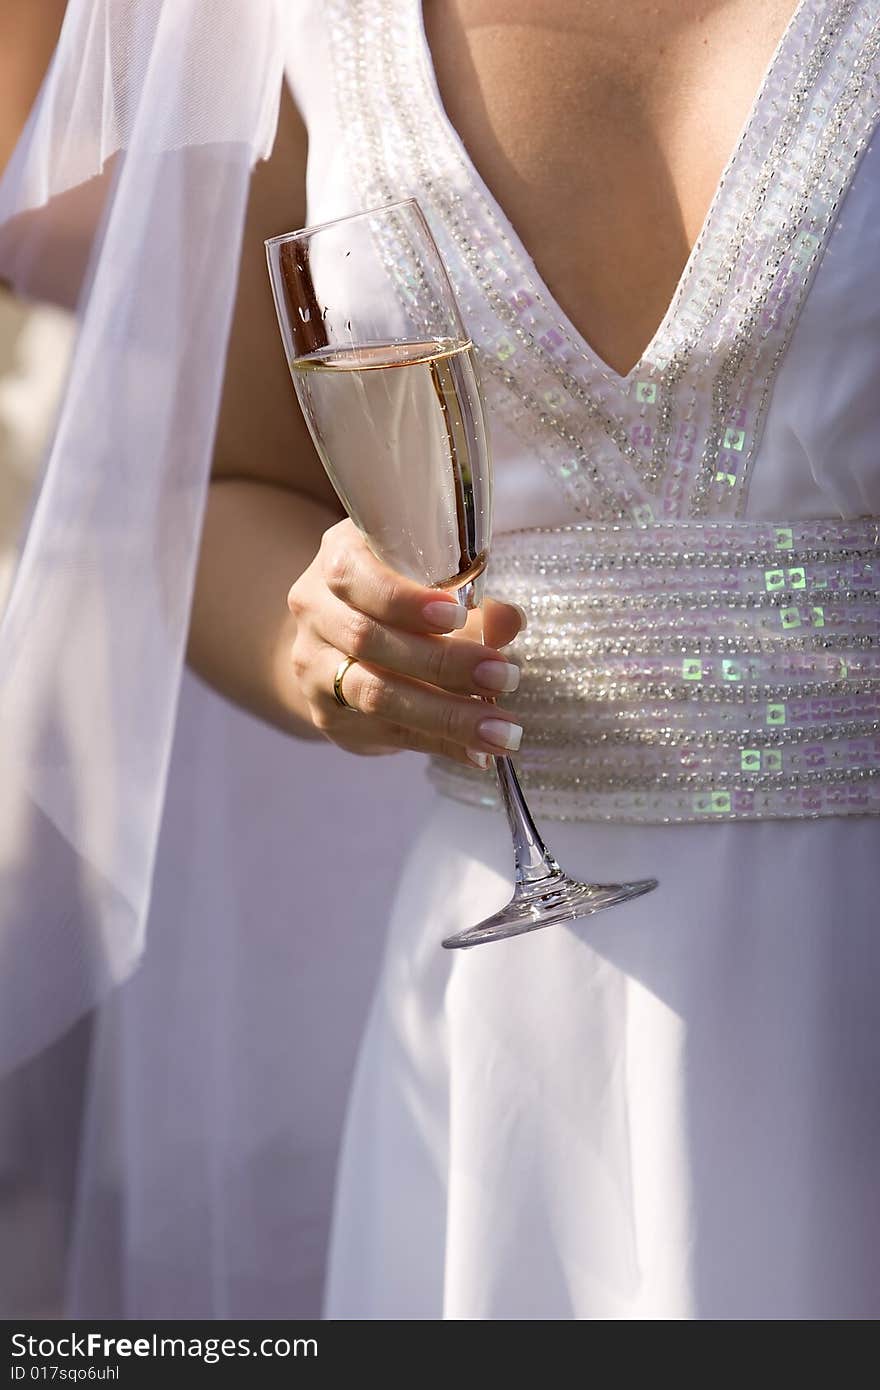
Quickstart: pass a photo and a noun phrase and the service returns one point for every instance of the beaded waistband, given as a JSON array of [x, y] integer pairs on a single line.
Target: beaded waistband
[[690, 672]]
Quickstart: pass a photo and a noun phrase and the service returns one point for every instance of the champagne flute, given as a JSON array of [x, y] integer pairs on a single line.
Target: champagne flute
[[386, 377]]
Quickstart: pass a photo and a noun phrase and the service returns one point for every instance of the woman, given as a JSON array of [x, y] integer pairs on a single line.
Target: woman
[[667, 1110]]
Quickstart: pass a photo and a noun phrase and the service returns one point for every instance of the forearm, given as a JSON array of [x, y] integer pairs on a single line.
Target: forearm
[[257, 540]]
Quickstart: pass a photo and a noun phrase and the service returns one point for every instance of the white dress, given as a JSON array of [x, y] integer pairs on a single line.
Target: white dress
[[670, 1110]]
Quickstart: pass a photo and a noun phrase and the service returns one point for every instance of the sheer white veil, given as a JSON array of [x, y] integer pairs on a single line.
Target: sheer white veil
[[126, 199]]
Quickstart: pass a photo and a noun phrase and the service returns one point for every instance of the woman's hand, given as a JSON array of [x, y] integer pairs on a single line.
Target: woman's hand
[[411, 686]]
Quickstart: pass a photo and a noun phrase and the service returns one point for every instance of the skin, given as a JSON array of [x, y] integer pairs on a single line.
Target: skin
[[273, 529], [620, 118], [28, 34]]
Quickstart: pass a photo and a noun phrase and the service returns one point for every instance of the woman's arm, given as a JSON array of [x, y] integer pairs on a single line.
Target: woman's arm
[[269, 501], [28, 35], [273, 532]]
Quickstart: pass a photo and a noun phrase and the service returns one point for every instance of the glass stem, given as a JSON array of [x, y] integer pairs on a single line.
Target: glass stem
[[533, 861]]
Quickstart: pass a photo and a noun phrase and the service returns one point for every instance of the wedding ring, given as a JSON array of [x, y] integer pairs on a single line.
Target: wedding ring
[[337, 682]]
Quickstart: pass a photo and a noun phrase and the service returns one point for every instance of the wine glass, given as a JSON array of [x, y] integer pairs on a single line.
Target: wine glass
[[387, 380]]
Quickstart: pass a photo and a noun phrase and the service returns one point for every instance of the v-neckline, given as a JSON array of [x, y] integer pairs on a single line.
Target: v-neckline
[[650, 353]]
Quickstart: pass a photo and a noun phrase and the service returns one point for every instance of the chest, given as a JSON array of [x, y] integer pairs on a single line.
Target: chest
[[603, 130], [669, 426]]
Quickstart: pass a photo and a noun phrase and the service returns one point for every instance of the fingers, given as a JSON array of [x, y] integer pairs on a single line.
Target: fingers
[[464, 666], [419, 658], [501, 622], [495, 622], [385, 737], [420, 709], [353, 575]]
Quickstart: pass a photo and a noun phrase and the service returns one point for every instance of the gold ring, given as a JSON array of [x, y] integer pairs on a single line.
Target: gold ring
[[337, 682]]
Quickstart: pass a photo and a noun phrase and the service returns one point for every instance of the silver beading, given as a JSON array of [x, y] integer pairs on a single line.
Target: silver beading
[[678, 435], [694, 671], [677, 666]]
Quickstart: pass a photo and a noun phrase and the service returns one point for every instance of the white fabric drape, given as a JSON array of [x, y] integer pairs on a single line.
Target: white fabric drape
[[219, 1072], [126, 196], [174, 1153]]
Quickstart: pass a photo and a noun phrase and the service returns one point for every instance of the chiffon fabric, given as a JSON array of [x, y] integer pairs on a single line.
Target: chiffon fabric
[[670, 1110], [172, 1153], [218, 1073], [124, 200]]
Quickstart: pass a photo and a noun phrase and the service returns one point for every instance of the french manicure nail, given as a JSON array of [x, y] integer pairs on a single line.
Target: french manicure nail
[[502, 733], [445, 615], [497, 675], [481, 759]]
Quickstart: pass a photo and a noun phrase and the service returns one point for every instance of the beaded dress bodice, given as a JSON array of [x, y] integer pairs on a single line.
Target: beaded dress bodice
[[676, 437], [687, 657]]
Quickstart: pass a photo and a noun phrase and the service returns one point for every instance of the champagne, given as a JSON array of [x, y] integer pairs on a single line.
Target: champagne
[[400, 430]]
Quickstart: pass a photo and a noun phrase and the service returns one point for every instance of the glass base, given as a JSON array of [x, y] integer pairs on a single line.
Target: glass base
[[555, 898]]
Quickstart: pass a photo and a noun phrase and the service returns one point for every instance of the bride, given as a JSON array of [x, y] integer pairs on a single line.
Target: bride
[[661, 222]]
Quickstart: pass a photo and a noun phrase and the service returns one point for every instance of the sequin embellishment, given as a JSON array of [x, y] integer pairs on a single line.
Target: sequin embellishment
[[662, 682], [677, 436], [680, 664]]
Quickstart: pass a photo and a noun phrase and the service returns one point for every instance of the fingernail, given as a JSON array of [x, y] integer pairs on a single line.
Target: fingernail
[[497, 675], [502, 733], [445, 615], [481, 759]]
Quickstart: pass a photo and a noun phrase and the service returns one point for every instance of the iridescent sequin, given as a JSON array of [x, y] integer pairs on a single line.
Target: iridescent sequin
[[679, 433], [634, 708], [674, 669]]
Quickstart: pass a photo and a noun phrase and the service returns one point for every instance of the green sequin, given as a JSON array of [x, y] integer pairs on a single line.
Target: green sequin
[[804, 247]]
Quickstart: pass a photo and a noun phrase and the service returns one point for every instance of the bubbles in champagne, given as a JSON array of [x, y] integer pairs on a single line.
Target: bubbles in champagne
[[400, 430]]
